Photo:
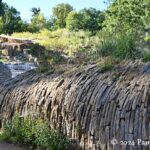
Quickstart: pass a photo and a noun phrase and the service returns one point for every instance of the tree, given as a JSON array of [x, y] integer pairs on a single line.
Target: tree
[[38, 22], [127, 15], [1, 8], [93, 19], [50, 23], [60, 13], [74, 21], [11, 20], [35, 11]]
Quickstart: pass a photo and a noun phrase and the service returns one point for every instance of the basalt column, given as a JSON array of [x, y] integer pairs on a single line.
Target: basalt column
[[97, 109]]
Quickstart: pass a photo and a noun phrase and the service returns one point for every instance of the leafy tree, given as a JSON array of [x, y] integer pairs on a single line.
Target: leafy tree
[[38, 22], [11, 20], [93, 19], [127, 15], [74, 21], [60, 13], [1, 8], [50, 23], [35, 11]]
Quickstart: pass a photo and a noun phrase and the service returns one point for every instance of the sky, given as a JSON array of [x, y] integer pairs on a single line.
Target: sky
[[24, 6]]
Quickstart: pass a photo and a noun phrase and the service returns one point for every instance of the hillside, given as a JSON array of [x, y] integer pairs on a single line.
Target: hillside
[[86, 104]]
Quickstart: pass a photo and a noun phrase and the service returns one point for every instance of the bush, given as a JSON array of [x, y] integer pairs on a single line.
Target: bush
[[35, 133], [119, 46], [126, 47], [106, 47], [146, 57]]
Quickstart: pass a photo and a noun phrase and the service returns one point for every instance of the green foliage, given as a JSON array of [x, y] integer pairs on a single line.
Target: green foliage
[[86, 19], [106, 64], [146, 57], [11, 20], [93, 19], [33, 132], [126, 47], [38, 22], [74, 21], [147, 38], [47, 138], [60, 13], [128, 15], [120, 46], [1, 8], [1, 25], [35, 11], [61, 40], [107, 45]]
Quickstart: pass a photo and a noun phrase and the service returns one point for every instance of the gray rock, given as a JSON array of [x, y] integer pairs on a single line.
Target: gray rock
[[86, 105], [5, 73]]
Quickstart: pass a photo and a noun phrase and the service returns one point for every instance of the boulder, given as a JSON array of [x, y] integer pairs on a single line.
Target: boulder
[[5, 73]]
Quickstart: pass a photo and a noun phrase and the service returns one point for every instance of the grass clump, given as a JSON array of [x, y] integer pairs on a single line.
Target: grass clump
[[118, 46], [107, 63], [33, 133]]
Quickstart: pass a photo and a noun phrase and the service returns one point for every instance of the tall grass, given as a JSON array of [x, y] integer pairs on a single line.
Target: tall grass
[[103, 44], [119, 46], [60, 40]]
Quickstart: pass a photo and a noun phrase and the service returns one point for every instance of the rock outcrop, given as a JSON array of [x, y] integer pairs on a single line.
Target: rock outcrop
[[5, 73], [99, 110], [11, 47]]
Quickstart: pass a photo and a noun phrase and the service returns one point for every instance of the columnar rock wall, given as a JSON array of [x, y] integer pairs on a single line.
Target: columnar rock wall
[[86, 104], [5, 73]]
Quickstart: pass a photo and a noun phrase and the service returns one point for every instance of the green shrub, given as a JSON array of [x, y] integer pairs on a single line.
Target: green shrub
[[106, 47], [122, 46], [33, 132], [126, 47], [51, 139], [146, 57]]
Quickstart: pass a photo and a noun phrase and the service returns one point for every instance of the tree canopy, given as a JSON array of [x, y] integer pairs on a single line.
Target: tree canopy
[[60, 13], [128, 15], [10, 19]]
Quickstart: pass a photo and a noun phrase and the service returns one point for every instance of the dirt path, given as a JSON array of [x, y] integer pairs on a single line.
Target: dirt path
[[7, 146]]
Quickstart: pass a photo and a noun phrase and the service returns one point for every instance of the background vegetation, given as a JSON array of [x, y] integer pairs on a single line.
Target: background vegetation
[[121, 31]]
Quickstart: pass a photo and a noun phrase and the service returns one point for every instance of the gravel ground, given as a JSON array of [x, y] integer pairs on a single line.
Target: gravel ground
[[7, 146]]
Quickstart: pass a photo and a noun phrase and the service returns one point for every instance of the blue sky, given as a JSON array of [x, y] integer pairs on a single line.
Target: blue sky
[[24, 6]]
